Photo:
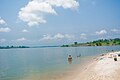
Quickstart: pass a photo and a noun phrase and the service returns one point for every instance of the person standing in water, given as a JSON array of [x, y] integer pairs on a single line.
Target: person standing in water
[[70, 59]]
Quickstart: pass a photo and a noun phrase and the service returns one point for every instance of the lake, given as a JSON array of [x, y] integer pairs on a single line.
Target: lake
[[45, 63]]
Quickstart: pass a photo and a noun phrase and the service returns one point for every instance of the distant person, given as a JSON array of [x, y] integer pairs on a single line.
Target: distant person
[[115, 56], [70, 59]]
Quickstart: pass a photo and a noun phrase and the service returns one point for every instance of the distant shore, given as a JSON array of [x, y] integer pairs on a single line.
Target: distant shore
[[11, 47], [100, 42]]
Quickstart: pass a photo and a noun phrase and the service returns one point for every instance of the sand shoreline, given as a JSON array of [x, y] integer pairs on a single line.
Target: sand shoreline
[[102, 68]]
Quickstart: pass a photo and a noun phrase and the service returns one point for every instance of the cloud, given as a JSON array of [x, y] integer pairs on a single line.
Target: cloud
[[115, 30], [102, 32], [83, 36], [21, 39], [5, 29], [2, 40], [72, 4], [69, 36], [58, 36], [34, 12], [2, 21], [24, 30], [46, 37]]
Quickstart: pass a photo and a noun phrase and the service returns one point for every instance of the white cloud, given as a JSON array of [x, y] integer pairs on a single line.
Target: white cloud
[[21, 39], [58, 36], [102, 32], [83, 36], [5, 29], [2, 40], [24, 30], [69, 36], [115, 30], [2, 21], [34, 12], [46, 37], [72, 4]]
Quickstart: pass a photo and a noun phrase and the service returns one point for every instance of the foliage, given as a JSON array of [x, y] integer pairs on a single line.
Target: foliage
[[100, 42], [9, 47]]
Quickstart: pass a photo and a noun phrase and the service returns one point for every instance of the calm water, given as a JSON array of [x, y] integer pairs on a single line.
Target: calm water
[[17, 64]]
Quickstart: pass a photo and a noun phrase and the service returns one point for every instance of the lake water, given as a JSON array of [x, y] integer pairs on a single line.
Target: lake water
[[45, 63]]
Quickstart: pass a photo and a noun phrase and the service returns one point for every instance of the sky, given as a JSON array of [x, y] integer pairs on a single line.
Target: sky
[[58, 22]]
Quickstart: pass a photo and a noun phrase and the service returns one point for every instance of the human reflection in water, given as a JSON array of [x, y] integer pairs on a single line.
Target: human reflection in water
[[70, 59]]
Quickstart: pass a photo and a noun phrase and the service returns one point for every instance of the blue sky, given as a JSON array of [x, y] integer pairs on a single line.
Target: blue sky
[[57, 22]]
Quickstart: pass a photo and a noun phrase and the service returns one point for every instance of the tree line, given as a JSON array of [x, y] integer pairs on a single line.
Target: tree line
[[9, 47], [100, 42]]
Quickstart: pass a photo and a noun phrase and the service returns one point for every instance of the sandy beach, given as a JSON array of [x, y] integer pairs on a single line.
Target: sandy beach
[[102, 68]]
